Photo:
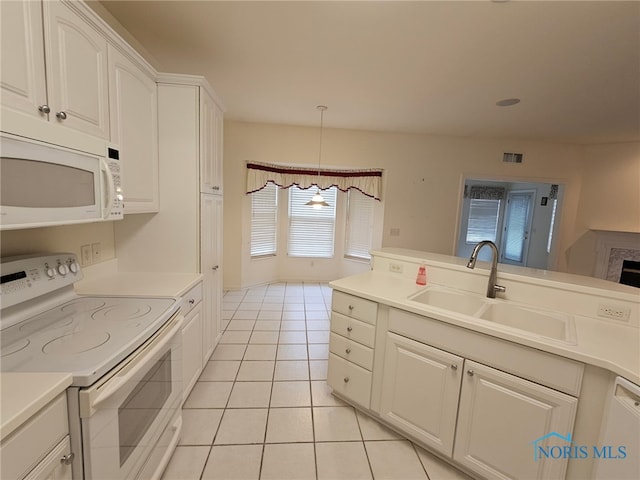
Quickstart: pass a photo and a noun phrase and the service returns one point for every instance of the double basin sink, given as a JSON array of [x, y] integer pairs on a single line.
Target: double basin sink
[[501, 313]]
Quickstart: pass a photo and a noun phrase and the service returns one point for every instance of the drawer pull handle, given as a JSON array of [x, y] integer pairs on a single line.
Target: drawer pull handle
[[348, 351], [346, 379], [191, 301], [454, 366], [470, 373], [349, 329], [67, 459]]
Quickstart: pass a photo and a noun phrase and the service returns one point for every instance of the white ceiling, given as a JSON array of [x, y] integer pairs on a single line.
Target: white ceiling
[[428, 67]]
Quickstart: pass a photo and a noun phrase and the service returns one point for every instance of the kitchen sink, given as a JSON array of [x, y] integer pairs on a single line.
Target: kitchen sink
[[529, 320], [557, 326], [466, 304]]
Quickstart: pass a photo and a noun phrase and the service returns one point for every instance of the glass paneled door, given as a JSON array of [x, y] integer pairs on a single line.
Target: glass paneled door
[[517, 226]]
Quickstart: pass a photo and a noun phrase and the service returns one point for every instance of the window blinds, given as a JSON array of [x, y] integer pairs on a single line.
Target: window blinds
[[483, 220], [264, 207], [311, 231], [359, 225]]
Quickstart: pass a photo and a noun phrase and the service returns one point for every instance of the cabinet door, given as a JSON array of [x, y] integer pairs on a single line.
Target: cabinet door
[[211, 130], [54, 466], [133, 103], [192, 349], [502, 421], [23, 77], [77, 78], [420, 389], [210, 258]]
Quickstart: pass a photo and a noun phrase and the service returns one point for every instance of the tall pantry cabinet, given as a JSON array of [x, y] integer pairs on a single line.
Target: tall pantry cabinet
[[186, 233]]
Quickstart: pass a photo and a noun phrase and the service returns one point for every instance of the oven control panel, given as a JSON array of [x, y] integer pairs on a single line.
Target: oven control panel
[[29, 276]]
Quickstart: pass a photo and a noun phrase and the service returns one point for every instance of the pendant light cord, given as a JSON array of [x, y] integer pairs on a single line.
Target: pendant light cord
[[322, 108]]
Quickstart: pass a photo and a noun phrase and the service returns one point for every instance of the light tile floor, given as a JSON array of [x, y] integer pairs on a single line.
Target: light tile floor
[[262, 409]]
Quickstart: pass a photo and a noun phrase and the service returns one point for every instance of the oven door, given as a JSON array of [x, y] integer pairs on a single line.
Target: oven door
[[126, 412]]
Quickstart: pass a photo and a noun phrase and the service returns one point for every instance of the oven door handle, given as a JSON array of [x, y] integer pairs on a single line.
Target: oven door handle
[[113, 384]]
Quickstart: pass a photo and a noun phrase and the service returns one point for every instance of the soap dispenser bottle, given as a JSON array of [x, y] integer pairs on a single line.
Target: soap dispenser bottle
[[421, 279]]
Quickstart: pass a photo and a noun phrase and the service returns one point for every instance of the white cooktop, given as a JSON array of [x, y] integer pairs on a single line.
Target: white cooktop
[[86, 336], [46, 327]]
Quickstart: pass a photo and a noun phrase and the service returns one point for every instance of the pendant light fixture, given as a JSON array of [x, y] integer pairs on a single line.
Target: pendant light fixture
[[317, 201]]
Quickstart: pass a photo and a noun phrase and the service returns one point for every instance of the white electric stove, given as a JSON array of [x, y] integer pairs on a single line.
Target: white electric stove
[[124, 354]]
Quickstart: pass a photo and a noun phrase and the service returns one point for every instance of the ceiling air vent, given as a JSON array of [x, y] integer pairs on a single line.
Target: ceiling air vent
[[512, 157]]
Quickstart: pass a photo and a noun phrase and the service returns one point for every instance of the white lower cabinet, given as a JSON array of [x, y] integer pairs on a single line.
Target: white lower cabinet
[[420, 391], [488, 421], [40, 449], [192, 339], [353, 327], [503, 418]]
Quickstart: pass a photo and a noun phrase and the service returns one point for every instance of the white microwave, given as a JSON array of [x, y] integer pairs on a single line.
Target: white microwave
[[42, 184]]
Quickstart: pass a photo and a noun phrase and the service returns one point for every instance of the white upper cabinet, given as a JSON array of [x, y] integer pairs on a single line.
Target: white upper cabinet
[[211, 132], [77, 82], [133, 103], [22, 47], [54, 69]]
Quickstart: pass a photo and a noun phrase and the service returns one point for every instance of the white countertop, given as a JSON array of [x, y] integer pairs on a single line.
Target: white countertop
[[600, 343], [139, 284], [22, 395]]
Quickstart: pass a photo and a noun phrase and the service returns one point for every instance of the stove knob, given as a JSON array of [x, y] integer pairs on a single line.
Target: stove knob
[[62, 269], [74, 267], [50, 272]]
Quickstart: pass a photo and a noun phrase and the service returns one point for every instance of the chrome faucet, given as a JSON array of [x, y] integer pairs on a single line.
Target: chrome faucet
[[492, 287]]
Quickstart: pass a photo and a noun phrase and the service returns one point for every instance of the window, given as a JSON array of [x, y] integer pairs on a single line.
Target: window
[[359, 225], [264, 207], [483, 220], [311, 231]]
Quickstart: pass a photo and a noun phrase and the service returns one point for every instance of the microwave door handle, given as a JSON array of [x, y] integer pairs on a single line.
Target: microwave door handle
[[112, 386], [105, 172]]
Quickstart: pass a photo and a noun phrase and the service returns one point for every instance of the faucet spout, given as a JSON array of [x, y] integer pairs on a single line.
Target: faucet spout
[[492, 287]]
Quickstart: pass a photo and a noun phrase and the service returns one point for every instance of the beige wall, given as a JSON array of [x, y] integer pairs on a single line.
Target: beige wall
[[423, 177], [610, 200]]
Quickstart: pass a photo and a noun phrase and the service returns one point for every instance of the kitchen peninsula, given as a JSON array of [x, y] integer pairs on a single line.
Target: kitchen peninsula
[[454, 371]]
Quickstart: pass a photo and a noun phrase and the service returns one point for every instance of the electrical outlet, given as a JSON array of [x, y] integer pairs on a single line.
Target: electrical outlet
[[616, 312], [395, 267], [96, 252], [86, 255]]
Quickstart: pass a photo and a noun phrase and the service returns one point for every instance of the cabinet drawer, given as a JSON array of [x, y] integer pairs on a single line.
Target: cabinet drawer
[[352, 351], [349, 380], [355, 307], [23, 449], [191, 298], [353, 329]]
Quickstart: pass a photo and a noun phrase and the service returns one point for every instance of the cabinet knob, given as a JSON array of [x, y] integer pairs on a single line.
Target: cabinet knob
[[215, 187], [346, 379], [67, 459], [61, 115], [454, 366], [215, 267], [191, 301], [44, 108], [348, 351], [350, 307], [470, 373], [349, 329]]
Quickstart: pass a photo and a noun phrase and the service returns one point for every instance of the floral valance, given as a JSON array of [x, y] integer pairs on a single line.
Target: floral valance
[[484, 192], [368, 181]]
